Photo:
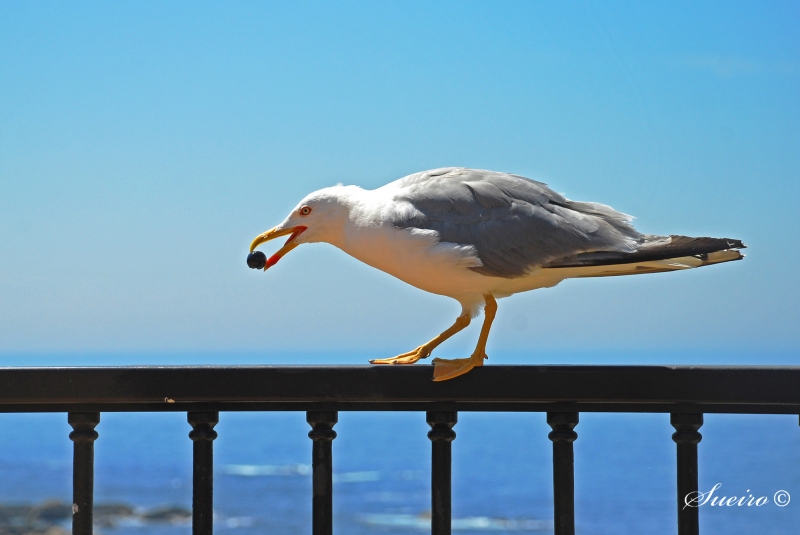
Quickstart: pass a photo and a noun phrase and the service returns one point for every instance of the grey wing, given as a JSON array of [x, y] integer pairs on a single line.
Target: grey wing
[[515, 224]]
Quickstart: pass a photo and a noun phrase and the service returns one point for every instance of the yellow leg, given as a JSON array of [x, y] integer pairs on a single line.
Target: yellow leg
[[450, 368], [424, 351]]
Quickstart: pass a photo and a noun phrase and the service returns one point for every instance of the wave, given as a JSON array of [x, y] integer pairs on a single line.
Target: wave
[[267, 470], [471, 523]]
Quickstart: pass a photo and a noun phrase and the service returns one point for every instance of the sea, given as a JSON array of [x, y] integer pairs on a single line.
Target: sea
[[625, 476]]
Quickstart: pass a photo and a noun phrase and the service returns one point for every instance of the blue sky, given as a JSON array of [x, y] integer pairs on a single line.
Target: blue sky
[[143, 145]]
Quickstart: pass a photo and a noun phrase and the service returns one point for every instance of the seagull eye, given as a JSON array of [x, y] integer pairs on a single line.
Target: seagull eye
[[305, 210]]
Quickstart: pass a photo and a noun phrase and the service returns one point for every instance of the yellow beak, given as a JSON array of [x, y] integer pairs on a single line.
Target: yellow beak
[[271, 234]]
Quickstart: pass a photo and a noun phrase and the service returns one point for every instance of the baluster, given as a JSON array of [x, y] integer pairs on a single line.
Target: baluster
[[441, 436], [687, 438], [322, 435], [203, 435], [83, 437], [563, 436]]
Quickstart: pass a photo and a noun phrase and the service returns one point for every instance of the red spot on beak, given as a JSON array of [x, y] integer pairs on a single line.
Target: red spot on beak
[[272, 260]]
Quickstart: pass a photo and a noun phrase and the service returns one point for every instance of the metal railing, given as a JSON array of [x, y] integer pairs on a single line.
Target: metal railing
[[685, 392]]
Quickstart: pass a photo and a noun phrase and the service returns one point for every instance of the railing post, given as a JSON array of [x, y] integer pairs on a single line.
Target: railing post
[[441, 436], [563, 436], [322, 435], [687, 437], [83, 437], [203, 435]]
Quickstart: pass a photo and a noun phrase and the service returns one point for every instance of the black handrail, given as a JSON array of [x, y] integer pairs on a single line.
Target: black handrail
[[686, 392]]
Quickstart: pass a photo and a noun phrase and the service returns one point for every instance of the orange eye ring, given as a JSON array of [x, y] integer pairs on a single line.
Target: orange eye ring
[[305, 210]]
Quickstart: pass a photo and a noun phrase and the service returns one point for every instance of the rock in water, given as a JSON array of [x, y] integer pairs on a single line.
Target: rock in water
[[256, 260]]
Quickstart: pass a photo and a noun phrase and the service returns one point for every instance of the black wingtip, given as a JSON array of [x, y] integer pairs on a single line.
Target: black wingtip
[[677, 247]]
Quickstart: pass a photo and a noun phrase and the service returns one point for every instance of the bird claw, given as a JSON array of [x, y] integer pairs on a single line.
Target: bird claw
[[446, 369]]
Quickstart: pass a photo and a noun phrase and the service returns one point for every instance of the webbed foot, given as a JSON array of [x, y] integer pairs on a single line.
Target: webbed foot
[[445, 369], [422, 352]]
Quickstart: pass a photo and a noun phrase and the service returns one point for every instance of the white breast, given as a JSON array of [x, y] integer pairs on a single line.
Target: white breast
[[415, 257]]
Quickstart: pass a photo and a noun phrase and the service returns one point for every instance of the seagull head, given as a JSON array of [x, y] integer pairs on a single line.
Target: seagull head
[[320, 217]]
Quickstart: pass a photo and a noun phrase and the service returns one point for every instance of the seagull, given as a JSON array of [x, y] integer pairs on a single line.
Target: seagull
[[478, 236]]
